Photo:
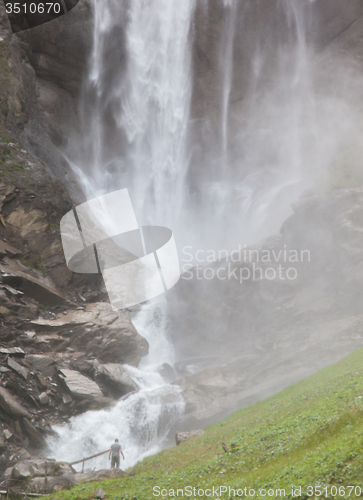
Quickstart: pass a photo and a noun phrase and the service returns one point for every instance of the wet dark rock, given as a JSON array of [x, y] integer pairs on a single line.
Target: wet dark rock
[[167, 372], [7, 250], [6, 193], [104, 334], [14, 351], [21, 370], [2, 441], [35, 437], [10, 404], [116, 378], [32, 282], [42, 364], [80, 386]]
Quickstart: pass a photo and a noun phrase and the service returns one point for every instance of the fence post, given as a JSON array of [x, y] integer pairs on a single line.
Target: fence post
[[46, 474]]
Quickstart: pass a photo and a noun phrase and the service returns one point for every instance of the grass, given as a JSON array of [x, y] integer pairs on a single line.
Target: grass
[[310, 434]]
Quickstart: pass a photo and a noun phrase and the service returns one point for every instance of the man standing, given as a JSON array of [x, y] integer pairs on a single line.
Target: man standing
[[115, 453]]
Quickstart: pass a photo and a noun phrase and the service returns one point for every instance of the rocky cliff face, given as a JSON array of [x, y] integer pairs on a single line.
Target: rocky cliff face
[[47, 65], [62, 348], [61, 351]]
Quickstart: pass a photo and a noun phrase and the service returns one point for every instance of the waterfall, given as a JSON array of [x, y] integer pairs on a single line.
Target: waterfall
[[226, 71], [136, 104], [275, 134], [135, 118], [141, 421]]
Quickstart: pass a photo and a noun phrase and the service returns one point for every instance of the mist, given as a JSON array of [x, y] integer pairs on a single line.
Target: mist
[[234, 124]]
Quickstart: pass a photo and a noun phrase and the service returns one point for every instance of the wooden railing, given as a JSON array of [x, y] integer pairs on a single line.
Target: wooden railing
[[83, 460]]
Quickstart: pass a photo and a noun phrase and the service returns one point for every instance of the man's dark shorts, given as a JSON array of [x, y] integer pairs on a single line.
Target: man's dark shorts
[[115, 461]]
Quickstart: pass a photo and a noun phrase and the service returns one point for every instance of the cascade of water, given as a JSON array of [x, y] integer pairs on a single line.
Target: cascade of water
[[140, 421], [226, 70], [135, 133], [136, 112]]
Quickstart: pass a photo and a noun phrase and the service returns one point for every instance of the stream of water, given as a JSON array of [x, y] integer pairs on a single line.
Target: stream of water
[[145, 104], [142, 420]]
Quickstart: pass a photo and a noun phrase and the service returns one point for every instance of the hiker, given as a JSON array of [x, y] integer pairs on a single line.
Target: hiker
[[115, 452]]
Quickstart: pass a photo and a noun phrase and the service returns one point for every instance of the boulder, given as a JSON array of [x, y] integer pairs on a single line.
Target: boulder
[[8, 434], [50, 483], [102, 333], [80, 476], [32, 282], [8, 250], [23, 454], [28, 468], [40, 467], [19, 369], [115, 375], [180, 437], [167, 372], [100, 494], [10, 404], [14, 351], [35, 437], [43, 364], [44, 398], [39, 475], [8, 472], [80, 386]]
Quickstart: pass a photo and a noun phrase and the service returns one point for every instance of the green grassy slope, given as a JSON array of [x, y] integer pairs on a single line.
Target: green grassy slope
[[310, 434]]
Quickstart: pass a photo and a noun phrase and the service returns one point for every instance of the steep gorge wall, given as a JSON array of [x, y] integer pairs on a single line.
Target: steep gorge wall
[[54, 325]]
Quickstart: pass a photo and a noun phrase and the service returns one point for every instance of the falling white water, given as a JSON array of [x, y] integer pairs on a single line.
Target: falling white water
[[226, 71], [135, 134], [139, 84], [140, 421]]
